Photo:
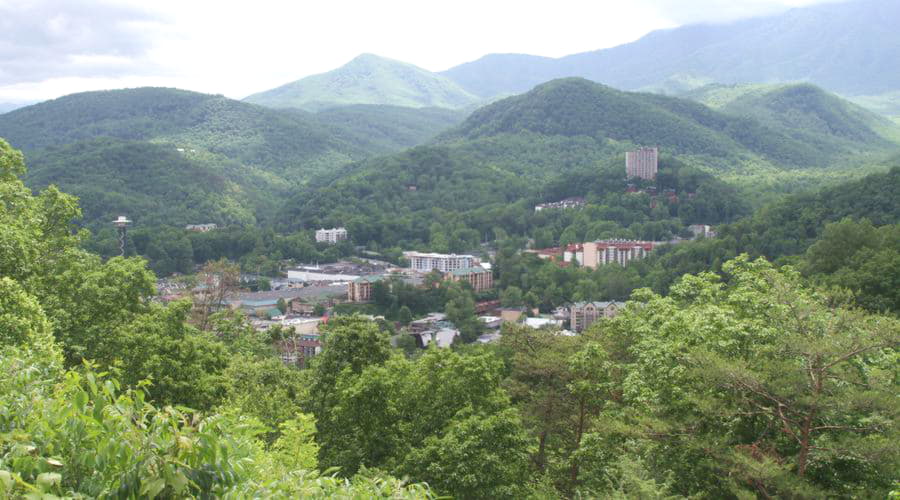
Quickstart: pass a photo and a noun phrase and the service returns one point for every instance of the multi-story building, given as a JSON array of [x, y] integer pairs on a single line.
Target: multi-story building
[[643, 163], [360, 289], [599, 253], [298, 350], [427, 262], [583, 314], [331, 236], [480, 278]]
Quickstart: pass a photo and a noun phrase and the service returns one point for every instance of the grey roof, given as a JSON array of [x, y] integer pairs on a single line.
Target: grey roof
[[309, 292]]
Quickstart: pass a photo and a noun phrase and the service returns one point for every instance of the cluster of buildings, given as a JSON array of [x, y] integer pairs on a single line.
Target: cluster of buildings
[[331, 236], [566, 204], [452, 267]]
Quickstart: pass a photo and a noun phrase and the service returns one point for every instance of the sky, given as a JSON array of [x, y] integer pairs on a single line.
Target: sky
[[50, 48]]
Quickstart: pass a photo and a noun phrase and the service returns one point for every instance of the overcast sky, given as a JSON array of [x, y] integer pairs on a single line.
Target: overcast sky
[[50, 48]]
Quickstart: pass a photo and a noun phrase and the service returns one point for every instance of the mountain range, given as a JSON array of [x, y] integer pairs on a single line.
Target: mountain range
[[178, 157], [568, 137], [851, 48], [368, 79]]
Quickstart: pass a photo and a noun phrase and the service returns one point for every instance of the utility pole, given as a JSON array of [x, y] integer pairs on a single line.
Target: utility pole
[[122, 227]]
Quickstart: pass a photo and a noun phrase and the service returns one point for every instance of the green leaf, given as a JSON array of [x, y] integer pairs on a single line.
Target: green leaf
[[153, 488], [48, 480]]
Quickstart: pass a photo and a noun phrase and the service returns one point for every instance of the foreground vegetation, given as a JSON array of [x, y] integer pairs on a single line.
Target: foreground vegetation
[[745, 383]]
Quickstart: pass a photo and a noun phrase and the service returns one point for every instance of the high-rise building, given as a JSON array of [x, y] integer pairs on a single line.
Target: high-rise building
[[331, 236], [643, 163]]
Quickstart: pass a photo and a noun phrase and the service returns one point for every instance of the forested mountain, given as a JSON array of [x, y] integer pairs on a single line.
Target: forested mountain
[[796, 126], [368, 79], [384, 128], [849, 47], [178, 157], [291, 144], [809, 113], [9, 106], [567, 138]]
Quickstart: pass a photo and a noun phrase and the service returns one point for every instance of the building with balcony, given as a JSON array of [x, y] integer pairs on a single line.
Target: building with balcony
[[427, 262], [331, 236], [599, 253]]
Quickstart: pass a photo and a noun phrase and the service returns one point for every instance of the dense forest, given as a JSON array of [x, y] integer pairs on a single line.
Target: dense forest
[[167, 156], [751, 382]]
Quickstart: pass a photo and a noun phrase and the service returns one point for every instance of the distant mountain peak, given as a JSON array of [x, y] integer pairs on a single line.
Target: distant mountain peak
[[368, 79]]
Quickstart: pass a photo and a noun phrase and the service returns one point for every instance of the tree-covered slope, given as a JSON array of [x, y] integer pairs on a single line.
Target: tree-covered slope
[[568, 138], [848, 47], [172, 156], [294, 145], [383, 128], [154, 184], [368, 79], [776, 128]]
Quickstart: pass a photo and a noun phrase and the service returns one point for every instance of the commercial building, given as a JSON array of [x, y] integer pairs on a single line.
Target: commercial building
[[643, 163], [331, 236], [583, 314], [599, 253], [480, 278], [427, 262]]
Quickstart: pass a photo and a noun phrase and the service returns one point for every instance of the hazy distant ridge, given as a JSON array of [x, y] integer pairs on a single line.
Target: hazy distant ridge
[[368, 79]]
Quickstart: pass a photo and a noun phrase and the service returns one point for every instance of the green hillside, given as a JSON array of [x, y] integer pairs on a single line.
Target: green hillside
[[294, 145], [568, 138], [172, 156], [775, 129], [368, 79], [383, 129], [154, 184], [803, 111]]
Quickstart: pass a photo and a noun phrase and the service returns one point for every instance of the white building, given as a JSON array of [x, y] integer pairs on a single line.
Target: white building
[[201, 228], [427, 262], [331, 236]]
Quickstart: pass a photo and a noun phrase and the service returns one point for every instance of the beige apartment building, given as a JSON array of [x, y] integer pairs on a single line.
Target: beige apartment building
[[583, 314], [643, 163], [594, 254], [480, 278]]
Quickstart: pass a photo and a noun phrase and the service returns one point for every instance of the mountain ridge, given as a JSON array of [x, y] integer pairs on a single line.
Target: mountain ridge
[[367, 79], [850, 48]]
